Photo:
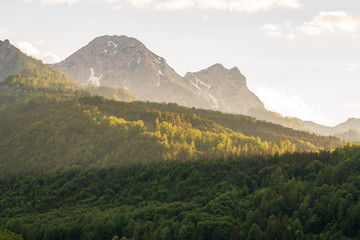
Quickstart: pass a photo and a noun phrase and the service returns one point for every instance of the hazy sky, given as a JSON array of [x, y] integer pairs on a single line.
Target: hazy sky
[[300, 57]]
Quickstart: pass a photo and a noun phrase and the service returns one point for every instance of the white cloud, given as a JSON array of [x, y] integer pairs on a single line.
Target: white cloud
[[206, 17], [54, 1], [332, 22], [175, 5], [275, 30], [229, 5], [324, 22], [31, 50], [353, 105], [4, 31], [350, 70], [354, 108], [277, 100]]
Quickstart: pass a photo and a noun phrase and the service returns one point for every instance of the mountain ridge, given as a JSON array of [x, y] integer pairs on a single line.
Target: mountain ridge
[[123, 61], [200, 89]]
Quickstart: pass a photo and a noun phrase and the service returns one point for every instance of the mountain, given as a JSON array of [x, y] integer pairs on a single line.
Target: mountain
[[12, 60], [126, 62], [76, 166], [351, 123], [120, 61], [28, 79], [347, 130], [76, 169], [224, 89], [350, 135]]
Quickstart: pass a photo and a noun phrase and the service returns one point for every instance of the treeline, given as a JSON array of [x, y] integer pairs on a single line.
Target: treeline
[[42, 81], [117, 94], [206, 120], [289, 196], [52, 136]]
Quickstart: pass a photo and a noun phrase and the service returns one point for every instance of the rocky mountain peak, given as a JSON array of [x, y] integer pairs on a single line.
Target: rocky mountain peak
[[120, 42], [5, 43], [122, 61], [225, 89]]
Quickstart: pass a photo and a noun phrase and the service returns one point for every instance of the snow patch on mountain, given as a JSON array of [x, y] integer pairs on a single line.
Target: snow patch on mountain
[[158, 60], [195, 85], [160, 73], [94, 80], [216, 102], [111, 43], [202, 83]]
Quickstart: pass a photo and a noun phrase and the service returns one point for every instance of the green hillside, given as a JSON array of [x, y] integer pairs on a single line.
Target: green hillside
[[13, 60], [55, 135], [239, 123], [78, 166]]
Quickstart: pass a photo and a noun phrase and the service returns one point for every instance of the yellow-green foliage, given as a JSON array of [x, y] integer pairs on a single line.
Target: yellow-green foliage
[[8, 235], [118, 94], [48, 135]]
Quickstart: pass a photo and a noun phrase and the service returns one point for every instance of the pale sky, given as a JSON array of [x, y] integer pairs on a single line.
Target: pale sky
[[300, 57]]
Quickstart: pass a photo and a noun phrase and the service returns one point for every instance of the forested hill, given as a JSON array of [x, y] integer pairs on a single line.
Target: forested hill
[[239, 123], [42, 81], [291, 196], [78, 166], [25, 79], [13, 61]]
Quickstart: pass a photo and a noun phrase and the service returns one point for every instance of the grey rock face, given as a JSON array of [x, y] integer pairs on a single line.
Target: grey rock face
[[224, 89], [120, 61]]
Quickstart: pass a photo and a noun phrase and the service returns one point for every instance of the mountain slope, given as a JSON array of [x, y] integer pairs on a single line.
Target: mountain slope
[[28, 79], [120, 61], [224, 89], [345, 129], [12, 60], [350, 135]]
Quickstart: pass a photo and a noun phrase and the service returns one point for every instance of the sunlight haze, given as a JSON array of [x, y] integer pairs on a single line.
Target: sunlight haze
[[300, 57]]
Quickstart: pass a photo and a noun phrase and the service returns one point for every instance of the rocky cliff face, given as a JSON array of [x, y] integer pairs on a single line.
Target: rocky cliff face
[[120, 61], [224, 89]]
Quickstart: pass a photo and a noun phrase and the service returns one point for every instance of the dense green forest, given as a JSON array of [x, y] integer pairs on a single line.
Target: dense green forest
[[288, 196], [75, 165], [71, 170]]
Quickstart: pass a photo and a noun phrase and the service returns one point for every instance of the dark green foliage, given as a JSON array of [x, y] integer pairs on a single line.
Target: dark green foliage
[[75, 166], [260, 197]]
